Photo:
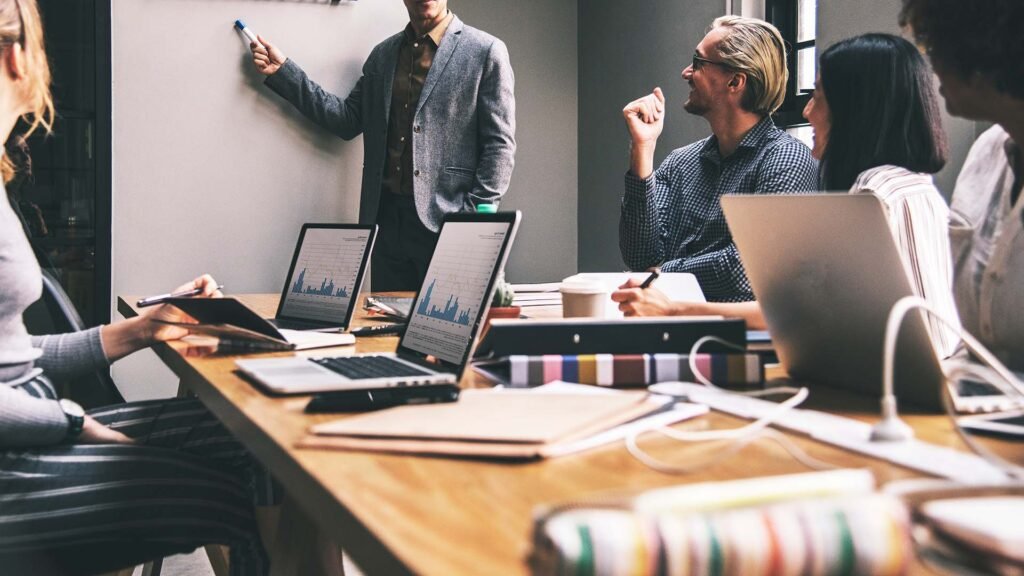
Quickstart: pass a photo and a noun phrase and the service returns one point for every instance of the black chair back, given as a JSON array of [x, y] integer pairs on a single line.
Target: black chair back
[[55, 313]]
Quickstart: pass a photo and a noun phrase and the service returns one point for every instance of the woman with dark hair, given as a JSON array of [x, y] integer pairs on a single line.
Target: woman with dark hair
[[875, 104], [977, 51], [876, 129], [84, 493]]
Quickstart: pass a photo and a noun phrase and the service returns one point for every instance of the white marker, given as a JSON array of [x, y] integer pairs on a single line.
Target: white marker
[[245, 30]]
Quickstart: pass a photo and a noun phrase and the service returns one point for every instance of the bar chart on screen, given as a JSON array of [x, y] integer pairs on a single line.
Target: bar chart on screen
[[325, 272], [455, 288]]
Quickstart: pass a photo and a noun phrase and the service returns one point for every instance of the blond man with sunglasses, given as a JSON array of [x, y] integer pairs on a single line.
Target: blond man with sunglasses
[[671, 216]]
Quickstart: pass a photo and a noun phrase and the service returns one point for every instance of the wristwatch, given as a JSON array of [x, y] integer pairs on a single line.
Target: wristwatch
[[76, 418]]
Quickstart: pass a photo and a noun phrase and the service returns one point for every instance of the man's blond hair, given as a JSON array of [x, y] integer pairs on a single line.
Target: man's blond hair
[[756, 48]]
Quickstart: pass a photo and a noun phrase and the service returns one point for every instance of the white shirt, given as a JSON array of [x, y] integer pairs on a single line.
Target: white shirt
[[919, 220], [988, 248]]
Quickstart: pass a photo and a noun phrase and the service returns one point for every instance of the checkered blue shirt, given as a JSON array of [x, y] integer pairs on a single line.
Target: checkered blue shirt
[[674, 219]]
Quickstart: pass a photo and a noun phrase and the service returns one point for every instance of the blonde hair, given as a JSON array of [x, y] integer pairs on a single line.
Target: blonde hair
[[20, 24], [756, 48]]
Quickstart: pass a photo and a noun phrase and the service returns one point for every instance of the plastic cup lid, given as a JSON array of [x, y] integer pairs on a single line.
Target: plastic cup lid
[[583, 287]]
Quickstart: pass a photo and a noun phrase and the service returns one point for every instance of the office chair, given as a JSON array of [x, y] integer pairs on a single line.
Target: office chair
[[55, 313]]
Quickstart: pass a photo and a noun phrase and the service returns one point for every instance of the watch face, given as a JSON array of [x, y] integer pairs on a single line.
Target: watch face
[[72, 408]]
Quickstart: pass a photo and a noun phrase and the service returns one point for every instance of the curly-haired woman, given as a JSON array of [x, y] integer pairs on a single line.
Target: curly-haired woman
[[977, 51]]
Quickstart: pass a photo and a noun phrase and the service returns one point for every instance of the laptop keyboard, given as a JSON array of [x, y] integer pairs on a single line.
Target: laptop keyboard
[[364, 367]]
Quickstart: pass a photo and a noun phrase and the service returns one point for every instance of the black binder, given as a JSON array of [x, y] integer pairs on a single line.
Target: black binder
[[604, 336]]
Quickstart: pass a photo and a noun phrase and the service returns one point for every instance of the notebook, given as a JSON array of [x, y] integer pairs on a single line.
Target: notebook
[[322, 286], [443, 325], [503, 424], [240, 329]]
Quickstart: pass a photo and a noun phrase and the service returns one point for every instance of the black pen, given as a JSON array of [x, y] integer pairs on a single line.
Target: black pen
[[378, 330], [154, 300], [650, 279]]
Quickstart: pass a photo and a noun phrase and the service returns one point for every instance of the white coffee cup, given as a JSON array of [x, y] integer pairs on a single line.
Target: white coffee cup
[[584, 299]]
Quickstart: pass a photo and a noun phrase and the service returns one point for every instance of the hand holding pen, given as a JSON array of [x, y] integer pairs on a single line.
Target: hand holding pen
[[162, 323], [655, 273], [642, 299], [160, 299]]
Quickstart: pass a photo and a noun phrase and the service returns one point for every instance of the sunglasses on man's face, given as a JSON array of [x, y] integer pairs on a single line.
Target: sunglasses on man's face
[[699, 62]]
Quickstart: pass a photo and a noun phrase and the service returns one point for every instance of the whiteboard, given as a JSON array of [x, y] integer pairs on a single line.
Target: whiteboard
[[212, 171]]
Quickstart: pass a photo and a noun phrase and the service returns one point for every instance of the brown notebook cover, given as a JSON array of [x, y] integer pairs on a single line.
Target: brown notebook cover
[[518, 424]]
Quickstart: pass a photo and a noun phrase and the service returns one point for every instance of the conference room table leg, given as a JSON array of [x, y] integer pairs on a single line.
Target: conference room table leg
[[300, 547]]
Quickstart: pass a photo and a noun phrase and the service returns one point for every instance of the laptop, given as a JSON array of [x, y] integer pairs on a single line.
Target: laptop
[[826, 271], [322, 286], [443, 324]]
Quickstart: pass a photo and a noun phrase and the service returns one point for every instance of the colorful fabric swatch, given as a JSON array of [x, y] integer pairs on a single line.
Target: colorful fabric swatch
[[845, 535], [633, 369]]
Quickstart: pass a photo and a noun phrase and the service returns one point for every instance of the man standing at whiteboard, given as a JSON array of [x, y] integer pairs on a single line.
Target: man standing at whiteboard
[[436, 109]]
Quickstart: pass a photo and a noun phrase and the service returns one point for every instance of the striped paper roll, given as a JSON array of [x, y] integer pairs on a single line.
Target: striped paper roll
[[867, 534]]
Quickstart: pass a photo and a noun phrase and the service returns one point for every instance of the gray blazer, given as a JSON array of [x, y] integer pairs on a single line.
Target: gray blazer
[[463, 138]]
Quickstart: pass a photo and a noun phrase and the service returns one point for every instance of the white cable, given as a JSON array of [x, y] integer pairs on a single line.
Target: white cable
[[736, 437], [891, 428], [692, 360], [733, 447], [1007, 383], [743, 431], [1010, 385]]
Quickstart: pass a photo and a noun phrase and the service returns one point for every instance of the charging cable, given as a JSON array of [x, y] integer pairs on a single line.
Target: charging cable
[[1005, 381], [735, 438], [891, 428]]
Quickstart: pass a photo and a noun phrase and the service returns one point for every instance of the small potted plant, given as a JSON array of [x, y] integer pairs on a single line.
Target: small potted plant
[[501, 304]]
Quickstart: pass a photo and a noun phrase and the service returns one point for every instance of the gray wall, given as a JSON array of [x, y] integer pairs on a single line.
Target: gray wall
[[541, 39], [214, 173], [838, 19], [624, 54]]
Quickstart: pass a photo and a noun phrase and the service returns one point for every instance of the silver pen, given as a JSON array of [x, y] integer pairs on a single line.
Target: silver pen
[[154, 300]]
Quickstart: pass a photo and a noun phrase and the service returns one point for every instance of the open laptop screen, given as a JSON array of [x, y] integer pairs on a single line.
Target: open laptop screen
[[325, 274], [447, 311]]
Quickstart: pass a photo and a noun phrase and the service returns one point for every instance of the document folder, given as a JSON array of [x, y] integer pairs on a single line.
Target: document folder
[[505, 424], [574, 336]]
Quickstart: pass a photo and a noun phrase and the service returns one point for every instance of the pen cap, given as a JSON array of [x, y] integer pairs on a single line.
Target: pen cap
[[486, 208], [249, 34]]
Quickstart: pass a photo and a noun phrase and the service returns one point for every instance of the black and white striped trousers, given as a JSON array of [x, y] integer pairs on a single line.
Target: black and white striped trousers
[[87, 509]]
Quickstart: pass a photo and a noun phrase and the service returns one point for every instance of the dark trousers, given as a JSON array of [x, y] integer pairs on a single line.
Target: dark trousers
[[404, 246], [88, 509]]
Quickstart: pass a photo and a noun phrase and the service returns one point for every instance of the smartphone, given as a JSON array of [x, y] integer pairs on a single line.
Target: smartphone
[[366, 399]]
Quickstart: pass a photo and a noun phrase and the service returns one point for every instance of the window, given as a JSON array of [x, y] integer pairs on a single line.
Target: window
[[796, 20], [66, 201]]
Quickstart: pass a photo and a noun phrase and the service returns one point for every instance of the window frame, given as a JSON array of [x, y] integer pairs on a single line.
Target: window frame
[[784, 14]]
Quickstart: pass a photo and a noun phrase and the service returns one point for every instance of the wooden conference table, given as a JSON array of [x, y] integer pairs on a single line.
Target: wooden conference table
[[396, 514]]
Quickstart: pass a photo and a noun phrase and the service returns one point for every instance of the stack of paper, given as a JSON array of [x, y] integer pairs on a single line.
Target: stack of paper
[[543, 294]]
